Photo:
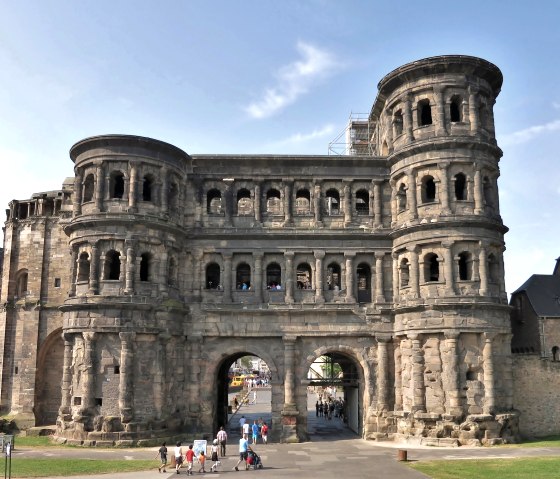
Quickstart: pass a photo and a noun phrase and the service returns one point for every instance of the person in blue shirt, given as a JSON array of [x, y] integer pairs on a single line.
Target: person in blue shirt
[[255, 430], [244, 448]]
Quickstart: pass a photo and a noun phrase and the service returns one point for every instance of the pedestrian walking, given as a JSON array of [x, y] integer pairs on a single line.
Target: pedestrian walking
[[244, 448], [222, 440], [202, 461], [255, 431], [242, 421], [189, 456], [214, 456], [264, 433], [162, 453], [178, 457]]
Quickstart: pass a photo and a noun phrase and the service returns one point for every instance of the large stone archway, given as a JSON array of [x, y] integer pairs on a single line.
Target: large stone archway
[[48, 379]]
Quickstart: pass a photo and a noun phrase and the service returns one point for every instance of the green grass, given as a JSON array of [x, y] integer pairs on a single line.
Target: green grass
[[70, 467], [34, 441], [547, 441], [520, 468]]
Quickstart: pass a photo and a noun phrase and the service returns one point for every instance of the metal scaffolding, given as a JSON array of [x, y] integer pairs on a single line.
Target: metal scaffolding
[[356, 138]]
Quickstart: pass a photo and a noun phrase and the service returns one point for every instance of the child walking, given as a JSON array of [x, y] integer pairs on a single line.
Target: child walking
[[214, 456], [190, 459], [162, 453], [202, 461]]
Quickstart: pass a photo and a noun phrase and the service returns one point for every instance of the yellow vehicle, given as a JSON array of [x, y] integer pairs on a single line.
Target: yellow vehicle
[[237, 381]]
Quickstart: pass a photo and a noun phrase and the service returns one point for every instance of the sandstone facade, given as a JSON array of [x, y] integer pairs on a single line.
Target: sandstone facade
[[389, 260]]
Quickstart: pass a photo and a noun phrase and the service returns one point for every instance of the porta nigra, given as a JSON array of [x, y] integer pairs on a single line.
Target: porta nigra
[[127, 294]]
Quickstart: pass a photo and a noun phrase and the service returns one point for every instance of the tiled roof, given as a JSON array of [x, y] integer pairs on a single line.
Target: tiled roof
[[543, 291]]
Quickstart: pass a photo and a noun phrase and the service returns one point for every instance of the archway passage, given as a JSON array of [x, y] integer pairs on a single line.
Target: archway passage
[[48, 394], [333, 398]]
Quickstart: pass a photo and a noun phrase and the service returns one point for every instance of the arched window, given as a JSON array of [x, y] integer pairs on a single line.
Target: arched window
[[401, 198], [424, 113], [493, 268], [89, 188], [117, 185], [172, 271], [303, 202], [273, 276], [362, 202], [21, 283], [147, 187], [404, 272], [332, 198], [363, 273], [431, 267], [397, 123], [243, 276], [304, 277], [273, 202], [214, 202], [555, 350], [460, 187], [244, 202], [145, 266], [455, 109], [428, 189], [83, 268], [487, 191], [213, 280], [464, 264], [333, 276], [112, 265]]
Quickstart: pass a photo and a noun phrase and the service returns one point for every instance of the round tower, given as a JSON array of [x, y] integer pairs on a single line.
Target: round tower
[[434, 123]]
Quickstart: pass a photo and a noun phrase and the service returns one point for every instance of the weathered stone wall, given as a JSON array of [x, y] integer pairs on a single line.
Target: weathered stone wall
[[536, 383]]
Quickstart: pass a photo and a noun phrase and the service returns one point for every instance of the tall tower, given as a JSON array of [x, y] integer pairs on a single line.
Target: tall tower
[[434, 123]]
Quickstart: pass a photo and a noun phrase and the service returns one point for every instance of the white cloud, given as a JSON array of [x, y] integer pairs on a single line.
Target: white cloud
[[556, 105], [528, 134], [299, 138], [294, 80]]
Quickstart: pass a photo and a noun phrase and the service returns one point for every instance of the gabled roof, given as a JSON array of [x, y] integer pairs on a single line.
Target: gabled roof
[[543, 292]]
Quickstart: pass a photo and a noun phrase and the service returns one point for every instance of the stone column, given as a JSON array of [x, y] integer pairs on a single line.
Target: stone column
[[377, 219], [75, 262], [451, 368], [478, 195], [508, 370], [227, 284], [389, 129], [347, 204], [319, 297], [66, 400], [288, 202], [394, 202], [130, 270], [350, 297], [258, 283], [382, 373], [473, 110], [398, 375], [379, 296], [414, 279], [126, 389], [407, 119], [289, 276], [396, 283], [193, 385], [411, 194], [483, 268], [443, 168], [501, 278], [133, 194], [99, 181], [488, 361], [198, 256], [440, 108], [164, 190], [163, 276], [448, 267], [418, 394], [78, 191], [317, 204], [88, 373], [257, 203], [94, 270], [159, 380], [228, 203], [289, 409]]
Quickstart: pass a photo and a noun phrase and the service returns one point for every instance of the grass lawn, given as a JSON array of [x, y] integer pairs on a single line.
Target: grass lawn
[[70, 467], [547, 441], [521, 468]]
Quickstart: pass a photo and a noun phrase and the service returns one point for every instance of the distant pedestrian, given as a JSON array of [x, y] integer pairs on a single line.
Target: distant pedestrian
[[189, 456], [264, 433], [244, 448], [255, 431], [202, 461], [317, 409], [242, 421], [214, 456], [222, 440], [178, 457], [162, 453]]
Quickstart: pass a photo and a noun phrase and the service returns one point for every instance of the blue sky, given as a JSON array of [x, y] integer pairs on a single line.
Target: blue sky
[[271, 77]]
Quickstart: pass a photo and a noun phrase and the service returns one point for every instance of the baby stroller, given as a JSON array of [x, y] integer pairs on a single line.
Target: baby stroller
[[254, 460]]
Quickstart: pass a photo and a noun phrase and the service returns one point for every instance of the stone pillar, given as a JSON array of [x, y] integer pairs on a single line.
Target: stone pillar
[[488, 361], [440, 108], [78, 191], [289, 410], [159, 380], [483, 268], [414, 279], [508, 371], [258, 282], [164, 190], [389, 129], [379, 296], [382, 373], [478, 195], [347, 204], [88, 373], [501, 278], [394, 202], [66, 400], [126, 389], [411, 194], [228, 203], [377, 219], [289, 276], [398, 375], [319, 297], [99, 181], [396, 283], [227, 283], [257, 203], [163, 276], [350, 297], [317, 204], [94, 270], [443, 168], [193, 385], [130, 270], [418, 394], [288, 202], [75, 262], [448, 267], [198, 256], [451, 368], [407, 119], [133, 194], [473, 110]]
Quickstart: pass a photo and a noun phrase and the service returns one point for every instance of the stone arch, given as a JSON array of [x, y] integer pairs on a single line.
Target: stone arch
[[48, 378]]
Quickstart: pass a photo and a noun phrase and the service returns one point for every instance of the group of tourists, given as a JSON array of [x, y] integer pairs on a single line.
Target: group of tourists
[[258, 428], [329, 408]]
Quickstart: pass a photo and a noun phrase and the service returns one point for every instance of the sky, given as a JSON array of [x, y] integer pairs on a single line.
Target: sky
[[271, 77]]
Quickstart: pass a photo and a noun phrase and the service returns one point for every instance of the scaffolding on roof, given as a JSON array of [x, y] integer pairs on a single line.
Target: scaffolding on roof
[[355, 139]]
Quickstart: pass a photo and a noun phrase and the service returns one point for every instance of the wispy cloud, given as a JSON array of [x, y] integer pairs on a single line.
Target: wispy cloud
[[556, 105], [523, 136], [294, 80], [299, 138]]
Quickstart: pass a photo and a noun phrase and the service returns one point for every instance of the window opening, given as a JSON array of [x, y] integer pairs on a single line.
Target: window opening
[[83, 267], [244, 202], [405, 272], [88, 188], [173, 196], [303, 202], [333, 277], [214, 202], [243, 276], [455, 110], [21, 284], [398, 123], [273, 276], [493, 268], [112, 270], [362, 202], [431, 272], [213, 276], [428, 189], [487, 189], [145, 261], [465, 266], [57, 282], [117, 185], [555, 350], [460, 186], [273, 202], [147, 186], [425, 112], [364, 277], [333, 202], [303, 276], [401, 198]]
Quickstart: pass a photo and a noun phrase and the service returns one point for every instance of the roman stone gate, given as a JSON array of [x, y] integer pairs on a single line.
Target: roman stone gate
[[387, 259]]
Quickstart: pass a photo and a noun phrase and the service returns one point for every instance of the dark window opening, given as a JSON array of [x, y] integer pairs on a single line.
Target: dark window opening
[[425, 112], [303, 202], [214, 202], [244, 202], [364, 277], [304, 276], [273, 276], [99, 401], [21, 284], [471, 376], [147, 186], [117, 370], [460, 186], [173, 196], [428, 189], [88, 188], [362, 202], [333, 276], [555, 350], [57, 282], [117, 185], [431, 272], [332, 202], [493, 268], [77, 401], [172, 271], [487, 191], [213, 276], [112, 270], [398, 123], [83, 267], [243, 276], [465, 266], [16, 370], [405, 272], [145, 267], [455, 110], [401, 198]]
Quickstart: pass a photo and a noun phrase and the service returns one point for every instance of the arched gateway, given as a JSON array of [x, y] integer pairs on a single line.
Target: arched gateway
[[169, 266]]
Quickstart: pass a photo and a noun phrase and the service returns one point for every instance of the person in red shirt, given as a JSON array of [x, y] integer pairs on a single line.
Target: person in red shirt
[[189, 456], [264, 433]]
